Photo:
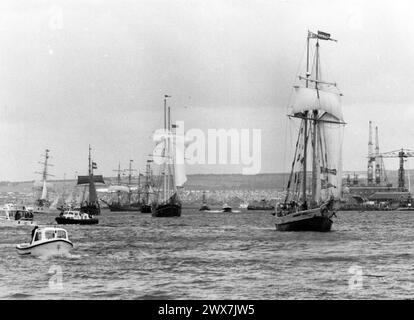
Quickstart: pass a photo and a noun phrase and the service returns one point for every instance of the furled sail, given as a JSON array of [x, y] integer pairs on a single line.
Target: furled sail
[[307, 99]]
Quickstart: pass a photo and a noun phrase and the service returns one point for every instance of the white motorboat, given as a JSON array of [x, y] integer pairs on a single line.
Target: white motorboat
[[46, 241], [75, 217], [13, 215]]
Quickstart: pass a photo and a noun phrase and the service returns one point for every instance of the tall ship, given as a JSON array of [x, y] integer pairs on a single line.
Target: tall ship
[[42, 203], [147, 191], [317, 105], [124, 193], [90, 205], [170, 151]]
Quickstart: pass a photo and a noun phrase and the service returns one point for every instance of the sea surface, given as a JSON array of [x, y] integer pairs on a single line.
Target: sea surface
[[367, 255]]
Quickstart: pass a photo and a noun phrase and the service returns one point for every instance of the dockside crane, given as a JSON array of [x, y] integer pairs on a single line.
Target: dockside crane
[[402, 154]]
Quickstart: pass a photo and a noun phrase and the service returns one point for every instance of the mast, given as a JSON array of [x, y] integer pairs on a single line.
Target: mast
[[92, 190], [45, 174], [314, 139], [118, 180], [370, 156], [164, 165], [169, 153], [130, 180], [305, 132], [147, 181]]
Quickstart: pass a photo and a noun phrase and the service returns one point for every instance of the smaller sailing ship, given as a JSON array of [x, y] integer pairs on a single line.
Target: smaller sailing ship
[[124, 194], [317, 105], [91, 205], [42, 203], [147, 190], [204, 206], [172, 175]]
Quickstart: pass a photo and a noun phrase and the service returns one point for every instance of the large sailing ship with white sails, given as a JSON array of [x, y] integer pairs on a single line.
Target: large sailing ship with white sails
[[317, 106], [170, 151], [124, 193]]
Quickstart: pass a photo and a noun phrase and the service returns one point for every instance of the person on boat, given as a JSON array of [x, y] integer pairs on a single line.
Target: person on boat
[[18, 215]]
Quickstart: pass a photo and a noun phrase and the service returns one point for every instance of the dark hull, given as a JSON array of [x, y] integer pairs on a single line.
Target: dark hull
[[91, 210], [145, 208], [204, 207], [226, 209], [320, 224], [263, 208], [63, 220], [166, 210], [126, 207]]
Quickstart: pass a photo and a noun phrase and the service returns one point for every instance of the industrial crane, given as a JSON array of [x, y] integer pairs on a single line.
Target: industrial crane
[[402, 154]]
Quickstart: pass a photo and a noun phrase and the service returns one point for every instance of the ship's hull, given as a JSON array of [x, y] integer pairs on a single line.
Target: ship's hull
[[17, 223], [204, 207], [309, 220], [227, 209], [263, 208], [48, 248], [166, 210], [126, 207], [91, 210], [145, 208], [63, 220]]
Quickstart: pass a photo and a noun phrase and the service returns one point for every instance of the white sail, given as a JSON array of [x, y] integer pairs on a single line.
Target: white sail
[[307, 99], [69, 198], [44, 191], [179, 164], [177, 143], [118, 188], [330, 157]]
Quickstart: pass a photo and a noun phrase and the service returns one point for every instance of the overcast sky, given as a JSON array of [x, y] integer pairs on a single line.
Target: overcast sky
[[74, 73]]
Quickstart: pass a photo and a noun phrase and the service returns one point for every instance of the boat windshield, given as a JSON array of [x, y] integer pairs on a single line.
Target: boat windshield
[[61, 234], [49, 234], [38, 236]]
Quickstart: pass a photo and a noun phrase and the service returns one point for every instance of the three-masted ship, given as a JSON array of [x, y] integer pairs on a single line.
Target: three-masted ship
[[172, 175], [147, 190], [317, 106], [91, 205], [125, 201]]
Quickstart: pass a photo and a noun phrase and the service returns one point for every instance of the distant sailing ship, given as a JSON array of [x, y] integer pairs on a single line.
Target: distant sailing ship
[[172, 176], [42, 203], [317, 105], [204, 206], [91, 205], [121, 190], [147, 192]]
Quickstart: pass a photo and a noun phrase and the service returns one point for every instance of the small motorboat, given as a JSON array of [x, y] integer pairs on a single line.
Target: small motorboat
[[204, 207], [226, 208], [13, 215], [46, 241], [75, 217]]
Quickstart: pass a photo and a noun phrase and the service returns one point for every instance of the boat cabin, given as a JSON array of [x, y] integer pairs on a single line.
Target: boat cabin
[[10, 211], [49, 233], [73, 214]]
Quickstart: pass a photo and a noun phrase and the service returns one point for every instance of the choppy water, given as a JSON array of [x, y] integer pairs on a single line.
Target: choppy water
[[217, 256]]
